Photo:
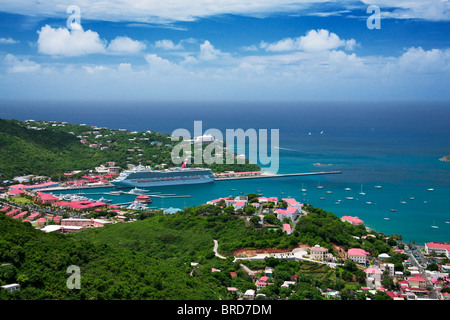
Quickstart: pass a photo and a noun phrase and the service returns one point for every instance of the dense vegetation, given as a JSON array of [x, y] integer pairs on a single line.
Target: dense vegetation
[[151, 258], [51, 148], [42, 152], [39, 262]]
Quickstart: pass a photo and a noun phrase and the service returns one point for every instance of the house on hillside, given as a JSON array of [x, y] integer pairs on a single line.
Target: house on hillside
[[358, 255]]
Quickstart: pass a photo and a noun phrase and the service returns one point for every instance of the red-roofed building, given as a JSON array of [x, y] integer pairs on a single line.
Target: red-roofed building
[[41, 222], [45, 198], [21, 215], [143, 199], [358, 255], [353, 220], [287, 228], [13, 212], [438, 248], [239, 205], [293, 203], [416, 282], [289, 212]]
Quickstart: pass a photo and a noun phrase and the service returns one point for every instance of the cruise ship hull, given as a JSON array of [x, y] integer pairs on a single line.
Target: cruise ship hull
[[146, 179]]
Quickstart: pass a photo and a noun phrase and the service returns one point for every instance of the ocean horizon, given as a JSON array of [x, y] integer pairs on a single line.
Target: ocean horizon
[[395, 145]]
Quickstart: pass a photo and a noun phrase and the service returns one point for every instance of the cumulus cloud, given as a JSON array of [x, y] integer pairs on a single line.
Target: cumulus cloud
[[208, 52], [168, 45], [62, 42], [417, 60], [125, 45], [313, 41], [16, 65], [8, 41]]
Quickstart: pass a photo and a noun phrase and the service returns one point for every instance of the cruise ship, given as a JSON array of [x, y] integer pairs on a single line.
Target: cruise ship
[[143, 177]]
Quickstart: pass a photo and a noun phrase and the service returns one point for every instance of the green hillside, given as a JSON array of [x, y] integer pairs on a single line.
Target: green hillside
[[39, 262], [52, 148], [42, 152]]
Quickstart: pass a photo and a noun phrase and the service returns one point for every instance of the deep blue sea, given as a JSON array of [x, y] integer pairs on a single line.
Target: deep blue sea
[[396, 145]]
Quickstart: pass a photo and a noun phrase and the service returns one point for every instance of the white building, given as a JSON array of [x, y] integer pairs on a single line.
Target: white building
[[11, 287], [358, 255]]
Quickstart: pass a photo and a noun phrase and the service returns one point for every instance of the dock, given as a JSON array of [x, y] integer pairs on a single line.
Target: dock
[[268, 175]]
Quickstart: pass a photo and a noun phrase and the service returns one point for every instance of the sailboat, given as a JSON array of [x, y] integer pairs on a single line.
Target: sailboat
[[434, 226], [319, 186], [362, 193], [303, 188]]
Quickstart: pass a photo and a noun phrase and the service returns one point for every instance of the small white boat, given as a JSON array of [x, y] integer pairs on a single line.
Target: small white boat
[[322, 198], [303, 188], [329, 191], [369, 202], [337, 202], [349, 198], [361, 192], [386, 218], [378, 187], [403, 202], [137, 191], [348, 189], [434, 226], [430, 189], [393, 210]]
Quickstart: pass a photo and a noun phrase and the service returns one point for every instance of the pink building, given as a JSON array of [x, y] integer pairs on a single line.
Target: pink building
[[358, 255], [353, 220], [45, 198], [95, 223]]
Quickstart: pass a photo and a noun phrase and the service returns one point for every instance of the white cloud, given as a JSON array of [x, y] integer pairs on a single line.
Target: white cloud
[[62, 42], [417, 60], [168, 45], [313, 41], [156, 11], [432, 10], [208, 52], [8, 41], [16, 65], [95, 69], [123, 45]]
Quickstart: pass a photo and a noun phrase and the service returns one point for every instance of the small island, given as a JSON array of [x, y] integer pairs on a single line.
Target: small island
[[446, 158]]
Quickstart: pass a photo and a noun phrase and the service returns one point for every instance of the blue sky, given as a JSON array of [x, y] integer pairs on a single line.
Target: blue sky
[[225, 50]]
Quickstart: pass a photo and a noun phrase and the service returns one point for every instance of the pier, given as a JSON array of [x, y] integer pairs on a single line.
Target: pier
[[268, 175]]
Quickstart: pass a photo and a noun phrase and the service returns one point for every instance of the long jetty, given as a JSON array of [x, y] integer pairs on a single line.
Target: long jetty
[[279, 175]]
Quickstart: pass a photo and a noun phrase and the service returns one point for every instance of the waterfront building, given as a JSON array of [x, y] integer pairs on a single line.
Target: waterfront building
[[438, 248], [353, 220]]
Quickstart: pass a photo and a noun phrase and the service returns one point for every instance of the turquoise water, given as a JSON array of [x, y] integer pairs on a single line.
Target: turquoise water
[[394, 145]]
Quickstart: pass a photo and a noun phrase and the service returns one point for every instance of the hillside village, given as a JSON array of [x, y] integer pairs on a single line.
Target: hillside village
[[373, 277]]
